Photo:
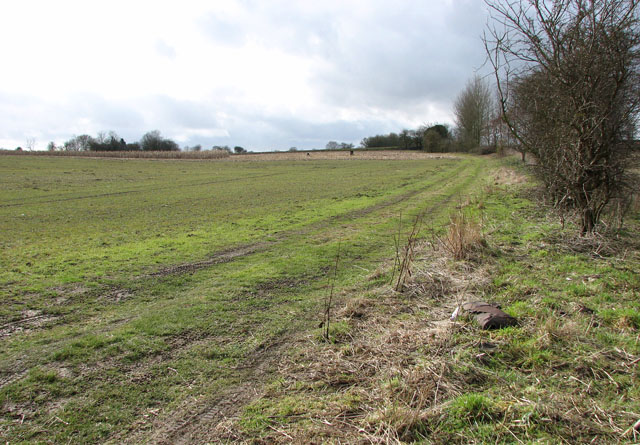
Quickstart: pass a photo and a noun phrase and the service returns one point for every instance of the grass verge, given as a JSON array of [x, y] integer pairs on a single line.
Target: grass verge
[[398, 371]]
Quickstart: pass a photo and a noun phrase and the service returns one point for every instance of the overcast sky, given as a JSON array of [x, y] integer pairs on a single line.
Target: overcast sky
[[266, 75]]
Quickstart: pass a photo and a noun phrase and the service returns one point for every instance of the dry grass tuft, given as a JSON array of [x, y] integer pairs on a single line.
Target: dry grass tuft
[[605, 244], [379, 272], [355, 308], [463, 237], [430, 281], [508, 176]]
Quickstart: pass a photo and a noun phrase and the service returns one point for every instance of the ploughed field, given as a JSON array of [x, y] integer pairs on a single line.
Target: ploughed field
[[134, 290]]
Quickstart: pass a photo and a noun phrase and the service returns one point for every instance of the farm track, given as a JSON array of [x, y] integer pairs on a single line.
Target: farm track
[[201, 420], [196, 418], [243, 250], [222, 257]]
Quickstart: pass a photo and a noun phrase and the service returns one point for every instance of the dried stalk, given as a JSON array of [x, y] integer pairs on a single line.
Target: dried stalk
[[328, 301], [408, 255]]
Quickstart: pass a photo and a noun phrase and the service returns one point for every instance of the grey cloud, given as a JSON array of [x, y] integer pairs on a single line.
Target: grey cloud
[[382, 54], [165, 50], [411, 58], [277, 24], [166, 111], [223, 30], [377, 59]]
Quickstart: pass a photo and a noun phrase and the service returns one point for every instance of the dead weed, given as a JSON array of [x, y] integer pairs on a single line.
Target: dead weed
[[508, 176], [395, 371]]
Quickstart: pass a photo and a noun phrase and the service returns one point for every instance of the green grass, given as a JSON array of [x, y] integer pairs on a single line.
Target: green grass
[[567, 373], [99, 329]]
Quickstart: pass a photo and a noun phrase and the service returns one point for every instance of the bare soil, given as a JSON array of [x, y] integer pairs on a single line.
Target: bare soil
[[30, 320]]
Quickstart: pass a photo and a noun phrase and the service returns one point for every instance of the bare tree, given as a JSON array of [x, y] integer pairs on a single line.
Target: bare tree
[[406, 138], [568, 79], [102, 137], [30, 143], [153, 141], [79, 143], [473, 110], [332, 145]]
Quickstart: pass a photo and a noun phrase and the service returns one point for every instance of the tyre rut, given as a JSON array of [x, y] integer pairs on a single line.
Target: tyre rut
[[202, 419]]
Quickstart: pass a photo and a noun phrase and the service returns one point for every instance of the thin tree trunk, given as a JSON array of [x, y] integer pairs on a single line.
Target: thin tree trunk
[[588, 221]]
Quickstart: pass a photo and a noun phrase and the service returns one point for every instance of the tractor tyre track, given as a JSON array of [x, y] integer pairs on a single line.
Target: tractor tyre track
[[243, 250], [202, 420]]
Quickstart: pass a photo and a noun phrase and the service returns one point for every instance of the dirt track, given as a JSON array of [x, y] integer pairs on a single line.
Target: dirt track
[[198, 420]]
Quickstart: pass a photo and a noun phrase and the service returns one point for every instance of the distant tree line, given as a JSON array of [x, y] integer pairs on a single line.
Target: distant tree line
[[111, 141], [433, 138], [479, 127], [333, 145], [237, 149], [151, 141]]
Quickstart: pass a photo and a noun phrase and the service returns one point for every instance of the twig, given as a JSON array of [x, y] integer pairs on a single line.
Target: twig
[[396, 242], [435, 395], [409, 253], [281, 432], [60, 420], [327, 309], [178, 374]]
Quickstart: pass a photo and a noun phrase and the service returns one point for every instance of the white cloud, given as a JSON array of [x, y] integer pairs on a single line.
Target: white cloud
[[260, 74]]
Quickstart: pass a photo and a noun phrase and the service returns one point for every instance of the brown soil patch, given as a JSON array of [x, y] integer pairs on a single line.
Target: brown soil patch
[[13, 377], [30, 320], [116, 295], [205, 415], [218, 258]]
